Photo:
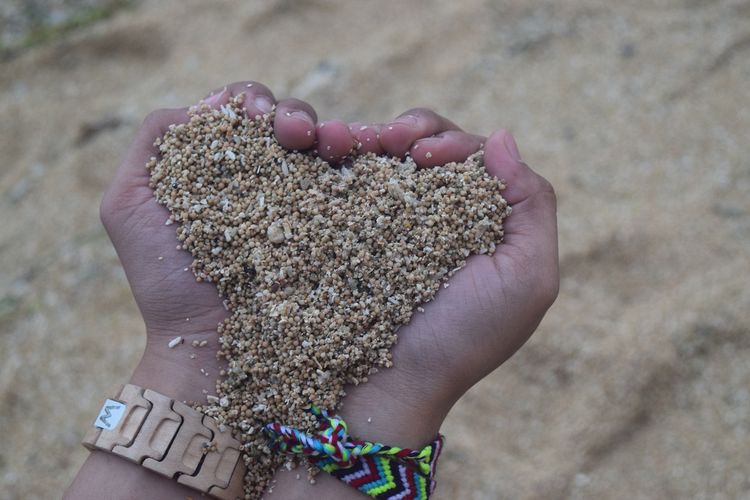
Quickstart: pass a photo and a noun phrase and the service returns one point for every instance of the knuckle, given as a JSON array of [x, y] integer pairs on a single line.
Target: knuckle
[[546, 186], [292, 103], [546, 190], [251, 87]]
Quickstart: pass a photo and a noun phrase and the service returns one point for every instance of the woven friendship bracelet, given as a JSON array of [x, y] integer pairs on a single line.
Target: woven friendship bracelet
[[380, 471]]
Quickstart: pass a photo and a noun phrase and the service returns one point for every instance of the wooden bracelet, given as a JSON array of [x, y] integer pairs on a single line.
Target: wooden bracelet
[[170, 438]]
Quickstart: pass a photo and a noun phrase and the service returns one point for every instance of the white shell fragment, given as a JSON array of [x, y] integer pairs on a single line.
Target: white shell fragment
[[276, 232]]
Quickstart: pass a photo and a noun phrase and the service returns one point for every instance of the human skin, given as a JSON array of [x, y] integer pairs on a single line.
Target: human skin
[[490, 309]]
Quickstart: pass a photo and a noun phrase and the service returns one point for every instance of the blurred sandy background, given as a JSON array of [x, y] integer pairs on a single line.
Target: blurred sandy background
[[637, 384]]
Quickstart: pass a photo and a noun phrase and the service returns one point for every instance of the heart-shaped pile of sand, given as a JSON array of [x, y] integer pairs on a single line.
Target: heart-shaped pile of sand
[[318, 265]]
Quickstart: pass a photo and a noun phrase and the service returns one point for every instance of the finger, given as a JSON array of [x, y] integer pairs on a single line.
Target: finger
[[367, 137], [217, 97], [532, 225], [294, 124], [335, 142], [444, 148], [503, 160], [259, 99], [397, 137]]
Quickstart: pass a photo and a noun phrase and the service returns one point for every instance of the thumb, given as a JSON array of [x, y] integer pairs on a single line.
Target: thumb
[[503, 160], [530, 240]]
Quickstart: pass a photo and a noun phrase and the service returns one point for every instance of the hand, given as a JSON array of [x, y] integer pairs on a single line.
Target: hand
[[489, 310], [171, 302], [492, 306]]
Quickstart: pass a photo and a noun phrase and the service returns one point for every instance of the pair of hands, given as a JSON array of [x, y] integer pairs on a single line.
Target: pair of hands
[[490, 309]]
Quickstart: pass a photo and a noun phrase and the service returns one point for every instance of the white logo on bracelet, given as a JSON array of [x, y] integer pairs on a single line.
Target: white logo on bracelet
[[110, 414]]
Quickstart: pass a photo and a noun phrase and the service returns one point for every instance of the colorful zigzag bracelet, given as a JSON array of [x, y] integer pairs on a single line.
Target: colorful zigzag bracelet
[[380, 471]]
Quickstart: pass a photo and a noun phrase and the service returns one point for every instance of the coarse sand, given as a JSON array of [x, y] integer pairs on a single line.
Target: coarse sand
[[318, 265]]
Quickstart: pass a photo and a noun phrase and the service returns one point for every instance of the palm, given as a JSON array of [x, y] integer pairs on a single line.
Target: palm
[[482, 318], [165, 290]]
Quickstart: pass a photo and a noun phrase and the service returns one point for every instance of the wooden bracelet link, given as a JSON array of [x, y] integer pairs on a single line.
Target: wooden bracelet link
[[170, 438]]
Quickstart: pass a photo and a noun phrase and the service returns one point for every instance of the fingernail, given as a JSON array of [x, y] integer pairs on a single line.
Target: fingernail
[[302, 116], [215, 99], [263, 103], [408, 120], [511, 147]]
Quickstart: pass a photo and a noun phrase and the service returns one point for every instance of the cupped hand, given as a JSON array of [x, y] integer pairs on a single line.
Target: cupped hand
[[489, 310], [170, 299]]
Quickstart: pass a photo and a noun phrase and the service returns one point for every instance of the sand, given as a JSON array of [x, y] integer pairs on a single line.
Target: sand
[[319, 265], [637, 383]]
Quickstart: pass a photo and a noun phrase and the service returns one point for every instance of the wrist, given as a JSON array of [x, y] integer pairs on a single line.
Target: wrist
[[186, 372], [392, 409], [388, 410]]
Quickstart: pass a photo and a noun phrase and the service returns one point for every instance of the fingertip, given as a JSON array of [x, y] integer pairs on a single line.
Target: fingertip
[[499, 158], [259, 100], [294, 124], [397, 137], [423, 155], [367, 137], [294, 131], [258, 105], [335, 141], [502, 159]]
